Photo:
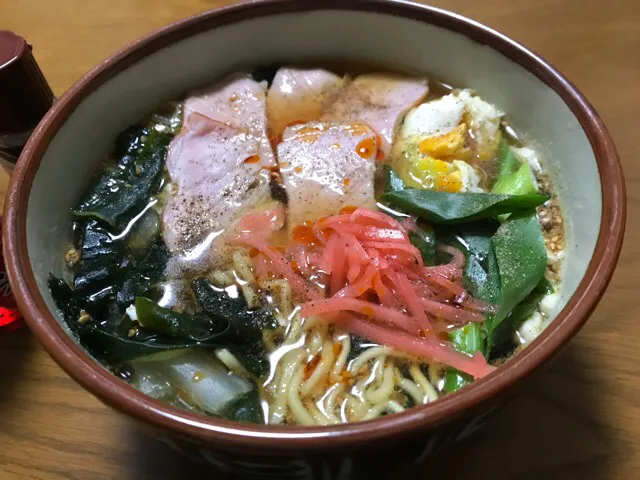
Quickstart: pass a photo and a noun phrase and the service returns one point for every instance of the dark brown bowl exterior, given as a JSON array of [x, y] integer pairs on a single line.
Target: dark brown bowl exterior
[[298, 452]]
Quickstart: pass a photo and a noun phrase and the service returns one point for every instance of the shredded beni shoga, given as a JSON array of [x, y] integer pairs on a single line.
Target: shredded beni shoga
[[358, 269]]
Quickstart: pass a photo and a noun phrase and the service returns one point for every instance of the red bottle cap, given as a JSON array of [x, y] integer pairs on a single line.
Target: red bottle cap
[[25, 95]]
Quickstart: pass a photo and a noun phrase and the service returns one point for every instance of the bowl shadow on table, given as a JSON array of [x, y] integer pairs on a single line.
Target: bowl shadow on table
[[16, 345], [555, 428]]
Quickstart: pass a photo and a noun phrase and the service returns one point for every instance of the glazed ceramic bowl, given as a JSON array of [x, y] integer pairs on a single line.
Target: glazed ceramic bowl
[[69, 143]]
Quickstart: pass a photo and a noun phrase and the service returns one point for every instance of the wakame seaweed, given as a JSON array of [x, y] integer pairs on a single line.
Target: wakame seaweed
[[246, 409], [100, 267], [246, 324], [126, 188], [196, 327], [116, 343], [143, 277], [107, 268]]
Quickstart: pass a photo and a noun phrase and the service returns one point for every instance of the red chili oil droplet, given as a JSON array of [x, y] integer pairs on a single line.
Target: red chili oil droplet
[[368, 311], [348, 209], [310, 367], [366, 148], [304, 234], [253, 159], [294, 123]]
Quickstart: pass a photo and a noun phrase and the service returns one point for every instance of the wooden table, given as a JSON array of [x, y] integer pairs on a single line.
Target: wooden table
[[581, 419]]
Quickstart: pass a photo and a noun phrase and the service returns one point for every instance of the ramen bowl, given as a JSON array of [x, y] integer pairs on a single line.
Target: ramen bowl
[[58, 163]]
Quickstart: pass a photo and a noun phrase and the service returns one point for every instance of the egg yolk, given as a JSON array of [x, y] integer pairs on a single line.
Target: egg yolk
[[445, 146], [437, 174]]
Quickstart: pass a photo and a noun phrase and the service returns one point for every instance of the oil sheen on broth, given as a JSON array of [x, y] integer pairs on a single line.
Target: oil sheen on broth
[[313, 245]]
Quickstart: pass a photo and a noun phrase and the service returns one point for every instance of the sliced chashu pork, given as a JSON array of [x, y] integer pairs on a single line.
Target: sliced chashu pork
[[239, 102], [300, 95], [381, 100], [216, 165], [326, 166]]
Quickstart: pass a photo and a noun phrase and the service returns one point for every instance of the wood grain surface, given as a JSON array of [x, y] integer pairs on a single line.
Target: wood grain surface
[[579, 419]]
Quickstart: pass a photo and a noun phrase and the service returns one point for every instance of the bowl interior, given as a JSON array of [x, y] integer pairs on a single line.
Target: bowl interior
[[531, 106]]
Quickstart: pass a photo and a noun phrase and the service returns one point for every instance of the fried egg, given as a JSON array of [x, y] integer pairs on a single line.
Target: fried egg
[[440, 139]]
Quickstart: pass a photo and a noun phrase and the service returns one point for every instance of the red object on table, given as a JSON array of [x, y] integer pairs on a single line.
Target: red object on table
[[10, 316], [25, 97]]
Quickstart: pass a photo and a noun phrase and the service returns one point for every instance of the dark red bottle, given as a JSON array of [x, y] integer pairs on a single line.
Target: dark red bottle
[[25, 97]]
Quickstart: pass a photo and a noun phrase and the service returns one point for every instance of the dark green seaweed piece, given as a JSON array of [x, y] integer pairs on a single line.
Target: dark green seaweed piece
[[108, 345], [99, 268], [123, 191], [252, 357], [451, 208], [195, 327], [122, 341], [167, 118], [469, 339], [246, 324], [114, 348], [358, 345], [144, 233], [246, 409], [522, 260], [143, 276], [65, 300], [131, 140]]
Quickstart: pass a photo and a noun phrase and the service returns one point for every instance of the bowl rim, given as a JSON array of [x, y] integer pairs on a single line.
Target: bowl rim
[[233, 436]]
